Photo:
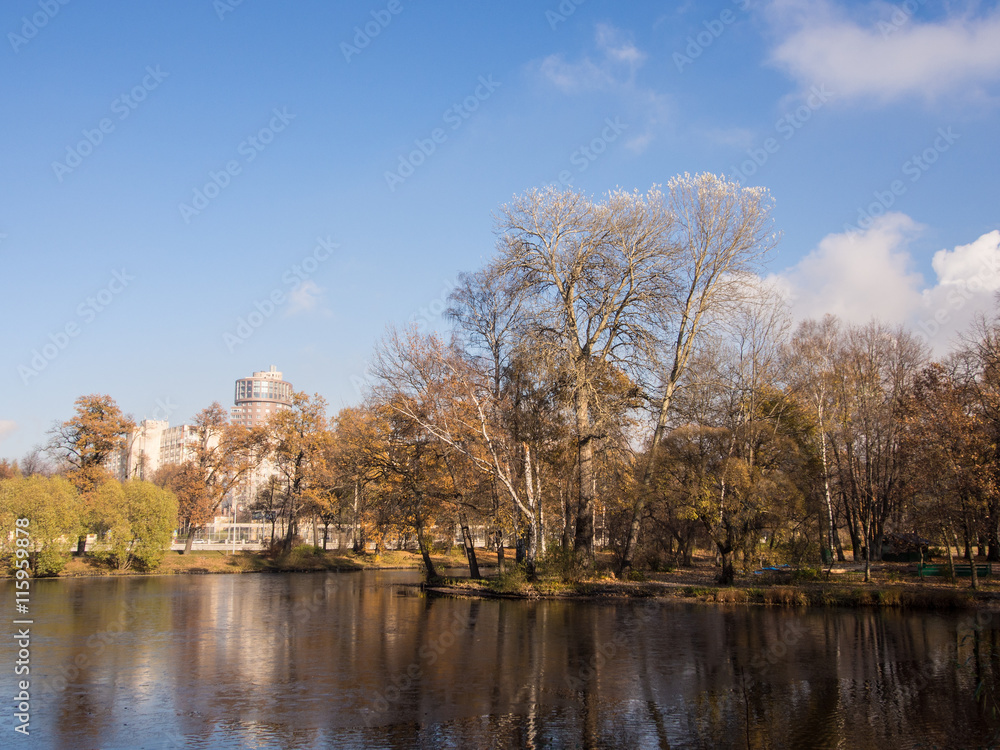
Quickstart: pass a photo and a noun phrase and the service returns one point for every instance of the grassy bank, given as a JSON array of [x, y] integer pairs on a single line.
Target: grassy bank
[[893, 585], [303, 559], [813, 595]]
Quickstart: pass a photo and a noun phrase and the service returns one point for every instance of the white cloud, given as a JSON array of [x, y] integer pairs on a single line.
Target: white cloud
[[304, 298], [619, 59], [870, 274], [612, 71], [7, 426], [888, 55], [856, 277]]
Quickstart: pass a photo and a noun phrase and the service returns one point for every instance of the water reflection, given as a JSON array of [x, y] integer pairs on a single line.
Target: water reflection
[[364, 660]]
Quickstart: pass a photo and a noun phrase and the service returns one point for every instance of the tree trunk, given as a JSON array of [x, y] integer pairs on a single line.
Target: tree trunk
[[639, 501], [470, 546], [355, 535], [951, 557], [583, 542], [831, 526], [993, 537], [190, 539], [81, 546], [567, 515], [530, 534], [728, 574], [974, 579], [426, 556]]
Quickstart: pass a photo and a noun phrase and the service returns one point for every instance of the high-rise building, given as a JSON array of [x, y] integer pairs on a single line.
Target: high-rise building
[[153, 444], [260, 396]]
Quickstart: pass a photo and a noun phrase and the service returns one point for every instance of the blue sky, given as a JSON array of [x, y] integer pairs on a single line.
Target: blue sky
[[176, 176]]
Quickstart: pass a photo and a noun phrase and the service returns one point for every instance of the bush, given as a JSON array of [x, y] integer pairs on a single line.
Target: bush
[[558, 562], [51, 507], [140, 519], [512, 581], [807, 574], [49, 561]]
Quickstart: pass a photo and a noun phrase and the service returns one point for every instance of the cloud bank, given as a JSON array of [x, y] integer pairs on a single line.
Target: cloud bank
[[871, 274], [890, 53]]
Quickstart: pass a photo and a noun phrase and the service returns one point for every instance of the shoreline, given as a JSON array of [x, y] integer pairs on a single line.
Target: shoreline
[[892, 588], [822, 596]]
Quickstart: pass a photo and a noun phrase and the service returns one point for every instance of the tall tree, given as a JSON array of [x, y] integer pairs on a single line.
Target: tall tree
[[486, 308], [298, 438], [85, 444], [953, 455], [809, 365], [720, 235], [876, 369], [226, 456], [589, 273]]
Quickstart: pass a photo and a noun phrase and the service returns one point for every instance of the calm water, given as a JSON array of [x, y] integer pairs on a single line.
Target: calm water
[[362, 660]]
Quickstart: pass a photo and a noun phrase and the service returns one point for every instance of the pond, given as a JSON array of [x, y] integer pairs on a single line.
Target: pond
[[366, 660]]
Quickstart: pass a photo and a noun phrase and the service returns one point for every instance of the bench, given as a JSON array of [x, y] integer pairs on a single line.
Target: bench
[[962, 570]]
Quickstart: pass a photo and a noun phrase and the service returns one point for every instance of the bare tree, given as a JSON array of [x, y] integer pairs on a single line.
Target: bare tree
[[487, 310], [720, 234], [589, 274], [809, 367]]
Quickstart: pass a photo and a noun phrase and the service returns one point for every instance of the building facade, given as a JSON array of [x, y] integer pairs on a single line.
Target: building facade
[[153, 444], [259, 397]]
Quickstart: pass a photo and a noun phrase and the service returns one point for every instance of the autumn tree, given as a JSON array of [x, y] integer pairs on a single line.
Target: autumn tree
[[187, 482], [954, 460], [297, 439], [85, 444], [139, 517], [719, 236], [810, 359], [486, 309], [356, 444], [51, 507], [225, 456], [876, 368], [589, 273]]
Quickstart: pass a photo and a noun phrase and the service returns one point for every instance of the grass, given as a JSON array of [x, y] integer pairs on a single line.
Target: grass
[[838, 596], [302, 559], [893, 587]]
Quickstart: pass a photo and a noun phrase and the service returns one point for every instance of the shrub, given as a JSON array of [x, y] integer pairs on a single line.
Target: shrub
[[51, 507], [512, 581], [807, 574]]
